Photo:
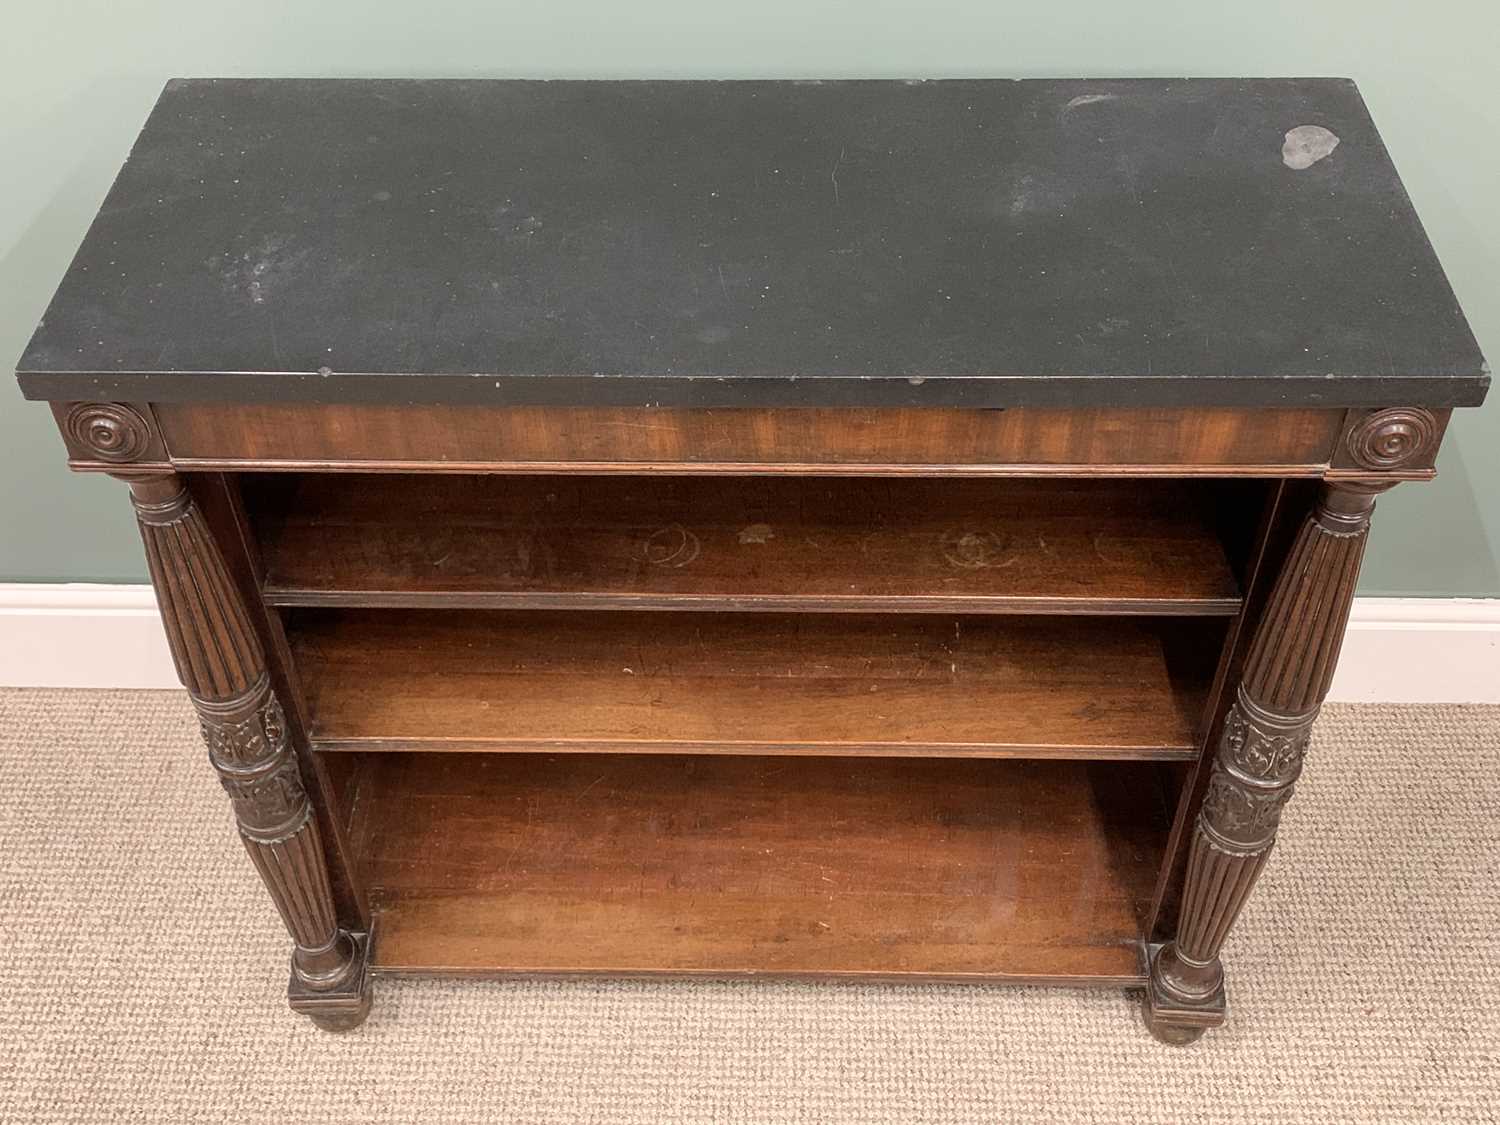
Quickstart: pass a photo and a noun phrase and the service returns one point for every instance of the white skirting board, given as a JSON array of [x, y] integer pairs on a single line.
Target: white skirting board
[[1398, 650]]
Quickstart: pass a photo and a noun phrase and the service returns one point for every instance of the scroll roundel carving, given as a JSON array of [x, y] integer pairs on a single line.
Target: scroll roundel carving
[[1389, 439], [109, 430]]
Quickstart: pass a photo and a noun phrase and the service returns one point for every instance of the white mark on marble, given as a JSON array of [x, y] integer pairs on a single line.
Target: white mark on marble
[[1089, 99], [1305, 145]]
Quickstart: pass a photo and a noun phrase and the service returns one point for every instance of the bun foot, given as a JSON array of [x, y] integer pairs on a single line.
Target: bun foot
[[1176, 1034], [343, 1020]]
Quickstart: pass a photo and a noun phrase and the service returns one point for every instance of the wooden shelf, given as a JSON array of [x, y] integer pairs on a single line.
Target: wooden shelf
[[1000, 546], [754, 683], [681, 865]]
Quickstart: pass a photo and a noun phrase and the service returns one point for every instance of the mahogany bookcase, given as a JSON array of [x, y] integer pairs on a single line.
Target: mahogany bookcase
[[873, 530]]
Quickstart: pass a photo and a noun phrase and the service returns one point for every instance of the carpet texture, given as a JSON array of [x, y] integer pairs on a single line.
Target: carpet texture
[[142, 972]]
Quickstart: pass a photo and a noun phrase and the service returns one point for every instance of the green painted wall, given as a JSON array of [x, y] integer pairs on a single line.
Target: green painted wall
[[77, 78]]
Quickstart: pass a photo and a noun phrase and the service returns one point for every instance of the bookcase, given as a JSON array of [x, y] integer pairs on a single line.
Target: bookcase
[[593, 543]]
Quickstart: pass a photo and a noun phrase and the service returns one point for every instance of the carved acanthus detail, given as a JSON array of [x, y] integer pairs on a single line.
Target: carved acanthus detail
[[247, 744], [1257, 751], [248, 741], [1260, 756], [269, 806], [1239, 818]]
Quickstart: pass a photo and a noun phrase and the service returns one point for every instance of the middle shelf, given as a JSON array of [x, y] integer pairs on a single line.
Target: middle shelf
[[755, 683]]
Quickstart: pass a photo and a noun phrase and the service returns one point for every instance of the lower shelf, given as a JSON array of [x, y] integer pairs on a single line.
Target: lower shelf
[[741, 866]]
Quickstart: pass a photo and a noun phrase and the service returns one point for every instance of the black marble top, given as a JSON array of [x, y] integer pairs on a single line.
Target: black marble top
[[985, 243]]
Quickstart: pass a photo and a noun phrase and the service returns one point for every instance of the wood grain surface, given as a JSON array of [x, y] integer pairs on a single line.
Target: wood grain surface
[[754, 683], [742, 543], [741, 866], [1128, 441]]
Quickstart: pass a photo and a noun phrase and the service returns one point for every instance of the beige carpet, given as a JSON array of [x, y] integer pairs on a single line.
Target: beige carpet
[[141, 973]]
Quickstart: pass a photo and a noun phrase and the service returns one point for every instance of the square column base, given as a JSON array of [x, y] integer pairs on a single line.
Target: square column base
[[343, 1008]]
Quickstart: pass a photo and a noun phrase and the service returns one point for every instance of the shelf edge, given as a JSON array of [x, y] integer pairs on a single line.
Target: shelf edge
[[757, 749], [305, 598]]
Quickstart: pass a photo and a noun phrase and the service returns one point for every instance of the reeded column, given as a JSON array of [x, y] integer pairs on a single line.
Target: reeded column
[[1259, 756], [220, 661]]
